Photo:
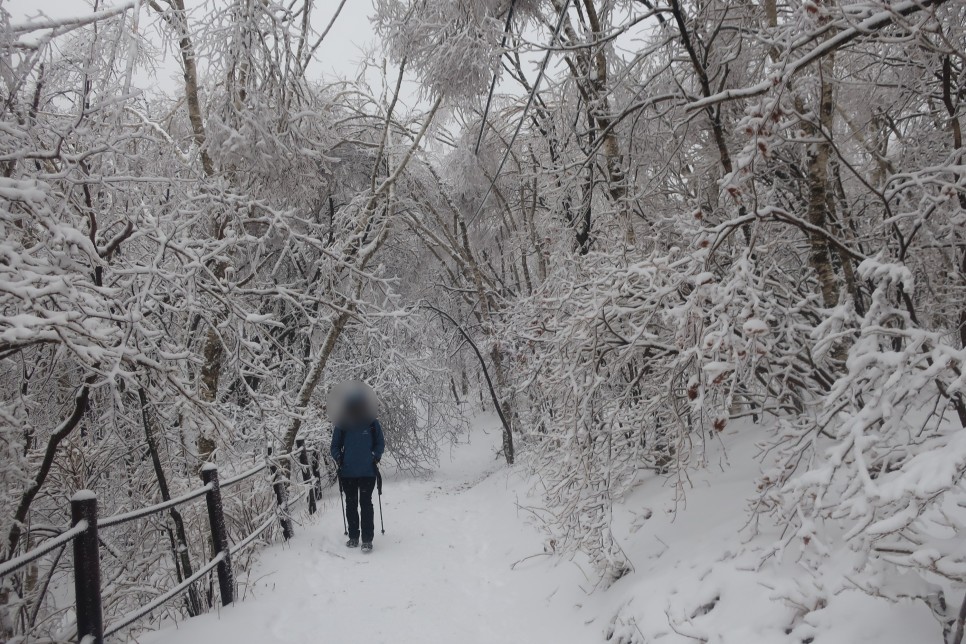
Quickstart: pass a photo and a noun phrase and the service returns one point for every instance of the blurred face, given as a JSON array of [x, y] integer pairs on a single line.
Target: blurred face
[[356, 410], [350, 403]]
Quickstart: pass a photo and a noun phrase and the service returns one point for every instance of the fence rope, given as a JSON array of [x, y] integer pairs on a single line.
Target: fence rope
[[63, 538], [69, 535], [158, 601], [118, 519], [126, 517], [241, 545], [238, 478]]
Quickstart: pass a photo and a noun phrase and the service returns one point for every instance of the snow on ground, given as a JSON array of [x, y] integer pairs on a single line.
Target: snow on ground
[[441, 573], [460, 562], [703, 573]]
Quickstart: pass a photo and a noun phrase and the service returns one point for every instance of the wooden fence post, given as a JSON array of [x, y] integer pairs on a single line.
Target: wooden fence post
[[87, 570], [306, 472], [280, 499], [219, 534]]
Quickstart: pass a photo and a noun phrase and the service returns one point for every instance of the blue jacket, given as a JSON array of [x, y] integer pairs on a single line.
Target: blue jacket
[[357, 449]]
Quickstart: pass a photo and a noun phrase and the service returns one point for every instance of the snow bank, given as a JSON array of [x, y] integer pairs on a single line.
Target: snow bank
[[704, 574]]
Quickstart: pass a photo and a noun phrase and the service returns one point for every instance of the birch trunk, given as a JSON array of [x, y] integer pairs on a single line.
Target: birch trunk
[[590, 72], [213, 351], [820, 256]]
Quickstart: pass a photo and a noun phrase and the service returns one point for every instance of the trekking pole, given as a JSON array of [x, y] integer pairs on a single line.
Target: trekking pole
[[379, 487], [345, 528]]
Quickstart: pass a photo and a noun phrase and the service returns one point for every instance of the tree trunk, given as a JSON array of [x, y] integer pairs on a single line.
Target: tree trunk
[[81, 401], [820, 257], [212, 352], [590, 72], [713, 111], [192, 93], [312, 379], [180, 552]]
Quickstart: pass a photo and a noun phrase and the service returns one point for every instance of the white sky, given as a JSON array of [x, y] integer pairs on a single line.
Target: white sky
[[339, 55]]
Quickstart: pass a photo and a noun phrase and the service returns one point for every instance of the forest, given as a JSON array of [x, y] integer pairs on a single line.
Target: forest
[[636, 231]]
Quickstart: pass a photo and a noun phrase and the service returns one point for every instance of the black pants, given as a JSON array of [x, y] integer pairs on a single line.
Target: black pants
[[358, 493]]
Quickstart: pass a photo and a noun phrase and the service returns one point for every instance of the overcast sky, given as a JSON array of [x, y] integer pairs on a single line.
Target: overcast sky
[[339, 55]]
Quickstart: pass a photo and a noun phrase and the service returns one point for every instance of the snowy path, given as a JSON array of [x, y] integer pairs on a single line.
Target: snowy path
[[442, 573]]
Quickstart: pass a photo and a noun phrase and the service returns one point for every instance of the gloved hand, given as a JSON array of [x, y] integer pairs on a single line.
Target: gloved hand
[[375, 462]]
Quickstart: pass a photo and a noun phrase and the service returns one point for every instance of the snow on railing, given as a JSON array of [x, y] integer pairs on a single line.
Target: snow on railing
[[244, 475], [118, 519], [135, 615], [62, 539], [84, 527]]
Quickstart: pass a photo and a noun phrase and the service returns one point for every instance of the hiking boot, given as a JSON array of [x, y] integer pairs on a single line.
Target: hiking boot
[[352, 543], [367, 546]]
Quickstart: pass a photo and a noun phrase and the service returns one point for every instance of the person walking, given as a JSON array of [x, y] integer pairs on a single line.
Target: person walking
[[357, 447]]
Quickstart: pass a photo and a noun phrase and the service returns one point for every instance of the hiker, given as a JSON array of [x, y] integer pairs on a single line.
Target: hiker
[[357, 446]]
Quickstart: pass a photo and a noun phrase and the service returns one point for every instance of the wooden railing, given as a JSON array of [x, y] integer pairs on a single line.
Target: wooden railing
[[84, 527]]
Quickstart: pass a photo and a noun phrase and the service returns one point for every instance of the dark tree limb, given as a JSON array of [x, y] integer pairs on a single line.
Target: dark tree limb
[[960, 620], [180, 550], [507, 429], [81, 401]]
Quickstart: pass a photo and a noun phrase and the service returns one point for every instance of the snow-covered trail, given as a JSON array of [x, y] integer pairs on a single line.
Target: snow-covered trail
[[441, 573]]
